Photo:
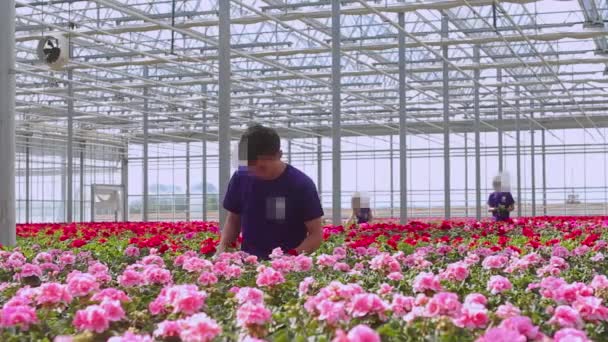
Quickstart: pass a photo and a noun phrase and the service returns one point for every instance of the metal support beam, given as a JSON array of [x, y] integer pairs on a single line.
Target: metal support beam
[[402, 126], [70, 151], [320, 168], [466, 175], [477, 138], [204, 155], [28, 180], [224, 104], [145, 199], [391, 179], [64, 187], [446, 119], [336, 109], [518, 151], [499, 113], [124, 180], [7, 123], [532, 159], [289, 160], [81, 181], [544, 169], [188, 218]]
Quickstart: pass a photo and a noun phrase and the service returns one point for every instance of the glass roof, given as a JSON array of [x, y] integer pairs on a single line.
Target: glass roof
[[132, 57]]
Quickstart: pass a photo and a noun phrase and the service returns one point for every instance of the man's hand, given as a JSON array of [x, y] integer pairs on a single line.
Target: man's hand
[[219, 250], [229, 233], [314, 239]]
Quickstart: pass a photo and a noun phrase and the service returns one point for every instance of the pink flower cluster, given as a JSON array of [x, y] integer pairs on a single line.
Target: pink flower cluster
[[185, 299], [196, 328], [97, 318]]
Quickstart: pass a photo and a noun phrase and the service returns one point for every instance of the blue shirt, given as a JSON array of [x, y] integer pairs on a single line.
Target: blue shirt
[[363, 215], [500, 198], [273, 212]]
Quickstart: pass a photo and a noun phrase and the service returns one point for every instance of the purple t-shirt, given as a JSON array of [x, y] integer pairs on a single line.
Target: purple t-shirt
[[273, 212], [501, 198]]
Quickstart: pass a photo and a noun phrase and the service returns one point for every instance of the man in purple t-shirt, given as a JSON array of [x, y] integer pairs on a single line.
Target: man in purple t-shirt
[[500, 202], [272, 203]]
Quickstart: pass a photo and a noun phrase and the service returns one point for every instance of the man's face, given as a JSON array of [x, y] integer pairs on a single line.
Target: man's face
[[265, 167]]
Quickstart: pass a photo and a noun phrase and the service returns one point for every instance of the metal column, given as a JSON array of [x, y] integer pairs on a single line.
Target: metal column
[[204, 156], [544, 171], [466, 175], [81, 181], [28, 180], [289, 145], [518, 150], [145, 161], [320, 168], [124, 180], [336, 109], [446, 119], [477, 137], [499, 124], [532, 159], [70, 150], [188, 182], [392, 185], [7, 123], [64, 180], [224, 104], [402, 125]]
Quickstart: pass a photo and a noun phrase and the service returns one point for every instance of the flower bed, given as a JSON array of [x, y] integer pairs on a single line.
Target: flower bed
[[532, 280]]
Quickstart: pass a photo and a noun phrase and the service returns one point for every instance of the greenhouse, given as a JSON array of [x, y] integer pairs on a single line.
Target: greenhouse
[[303, 170]]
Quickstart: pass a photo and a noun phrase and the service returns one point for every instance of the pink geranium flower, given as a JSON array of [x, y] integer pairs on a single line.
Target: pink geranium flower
[[199, 328], [498, 284], [250, 295], [93, 318], [502, 335], [53, 293], [367, 304], [132, 252], [570, 335], [599, 282], [443, 304], [131, 278], [81, 284], [591, 309], [250, 314], [167, 329], [523, 325], [130, 337], [207, 279], [331, 312], [473, 315], [21, 316], [494, 262], [110, 293], [566, 317], [269, 277], [360, 333], [507, 310], [458, 271], [425, 281], [305, 285]]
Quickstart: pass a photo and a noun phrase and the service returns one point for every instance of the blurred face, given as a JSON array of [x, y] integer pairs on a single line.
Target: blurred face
[[497, 186], [266, 167]]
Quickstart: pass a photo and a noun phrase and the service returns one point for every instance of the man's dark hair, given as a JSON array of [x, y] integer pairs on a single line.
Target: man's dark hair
[[259, 141]]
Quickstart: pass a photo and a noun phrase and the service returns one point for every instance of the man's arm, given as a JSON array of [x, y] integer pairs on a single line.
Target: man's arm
[[230, 233], [314, 239]]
